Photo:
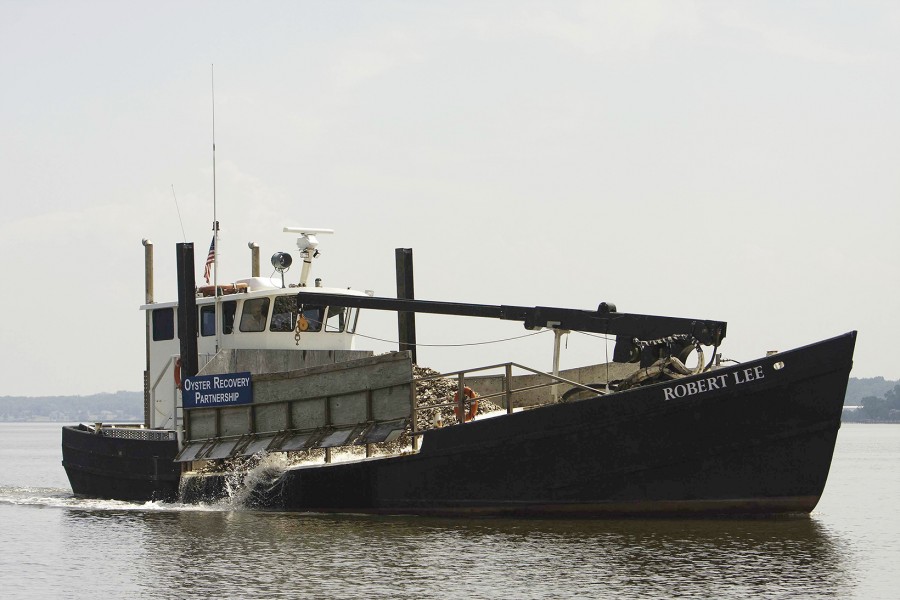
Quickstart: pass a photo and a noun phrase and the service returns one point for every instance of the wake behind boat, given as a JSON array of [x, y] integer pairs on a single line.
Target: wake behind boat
[[270, 368]]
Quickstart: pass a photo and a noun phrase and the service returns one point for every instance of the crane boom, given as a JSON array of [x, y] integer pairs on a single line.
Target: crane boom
[[627, 327]]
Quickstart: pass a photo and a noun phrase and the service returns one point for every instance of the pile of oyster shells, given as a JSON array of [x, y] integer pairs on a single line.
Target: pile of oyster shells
[[436, 391]]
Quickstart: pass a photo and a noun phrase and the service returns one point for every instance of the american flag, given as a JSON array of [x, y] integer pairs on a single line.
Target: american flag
[[210, 259]]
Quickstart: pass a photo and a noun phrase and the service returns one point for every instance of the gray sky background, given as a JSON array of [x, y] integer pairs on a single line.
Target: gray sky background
[[727, 160]]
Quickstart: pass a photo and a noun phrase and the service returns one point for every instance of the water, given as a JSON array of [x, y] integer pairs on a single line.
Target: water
[[55, 546]]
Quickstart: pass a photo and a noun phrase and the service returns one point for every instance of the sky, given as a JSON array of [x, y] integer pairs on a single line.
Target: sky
[[722, 160]]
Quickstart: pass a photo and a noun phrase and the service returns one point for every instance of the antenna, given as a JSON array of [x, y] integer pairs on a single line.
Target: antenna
[[183, 234], [213, 81], [212, 77]]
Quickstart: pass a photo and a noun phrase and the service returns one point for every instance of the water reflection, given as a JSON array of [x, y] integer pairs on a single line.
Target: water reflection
[[245, 553]]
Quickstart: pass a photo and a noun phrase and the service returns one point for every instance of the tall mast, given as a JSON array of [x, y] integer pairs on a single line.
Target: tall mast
[[218, 328]]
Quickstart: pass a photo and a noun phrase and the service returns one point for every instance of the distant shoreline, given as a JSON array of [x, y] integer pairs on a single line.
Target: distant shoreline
[[875, 398], [117, 407]]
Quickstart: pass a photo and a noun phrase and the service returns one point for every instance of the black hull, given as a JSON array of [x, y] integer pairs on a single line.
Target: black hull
[[751, 439], [120, 468]]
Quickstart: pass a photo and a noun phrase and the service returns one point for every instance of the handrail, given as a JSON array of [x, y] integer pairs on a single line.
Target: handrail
[[508, 391]]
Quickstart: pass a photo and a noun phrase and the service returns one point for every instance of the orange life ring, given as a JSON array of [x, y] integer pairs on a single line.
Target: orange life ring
[[178, 372], [473, 404]]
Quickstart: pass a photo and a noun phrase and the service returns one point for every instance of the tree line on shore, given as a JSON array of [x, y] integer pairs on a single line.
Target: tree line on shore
[[119, 407], [874, 409]]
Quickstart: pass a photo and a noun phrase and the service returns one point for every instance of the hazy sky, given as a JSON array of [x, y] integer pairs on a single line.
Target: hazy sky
[[727, 160]]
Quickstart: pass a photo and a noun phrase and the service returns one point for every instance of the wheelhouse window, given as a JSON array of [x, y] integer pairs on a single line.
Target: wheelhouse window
[[254, 314], [336, 320], [207, 320], [163, 324], [229, 309], [284, 313], [311, 317], [352, 316]]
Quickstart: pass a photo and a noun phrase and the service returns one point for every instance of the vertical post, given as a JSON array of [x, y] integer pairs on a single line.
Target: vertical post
[[148, 299], [406, 321], [327, 424], [507, 388], [187, 322], [217, 306], [369, 418], [557, 336], [147, 403], [148, 271], [413, 414], [187, 309], [254, 259], [461, 399]]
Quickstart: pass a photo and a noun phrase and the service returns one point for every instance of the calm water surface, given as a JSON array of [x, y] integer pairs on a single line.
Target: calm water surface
[[55, 546]]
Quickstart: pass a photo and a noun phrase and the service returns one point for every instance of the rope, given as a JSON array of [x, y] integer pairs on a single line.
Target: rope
[[594, 335], [666, 341], [369, 337]]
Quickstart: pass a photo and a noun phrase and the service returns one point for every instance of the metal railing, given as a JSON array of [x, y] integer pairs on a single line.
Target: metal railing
[[507, 393], [131, 431]]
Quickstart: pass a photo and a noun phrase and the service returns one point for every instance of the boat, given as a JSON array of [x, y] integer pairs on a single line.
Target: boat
[[269, 369]]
